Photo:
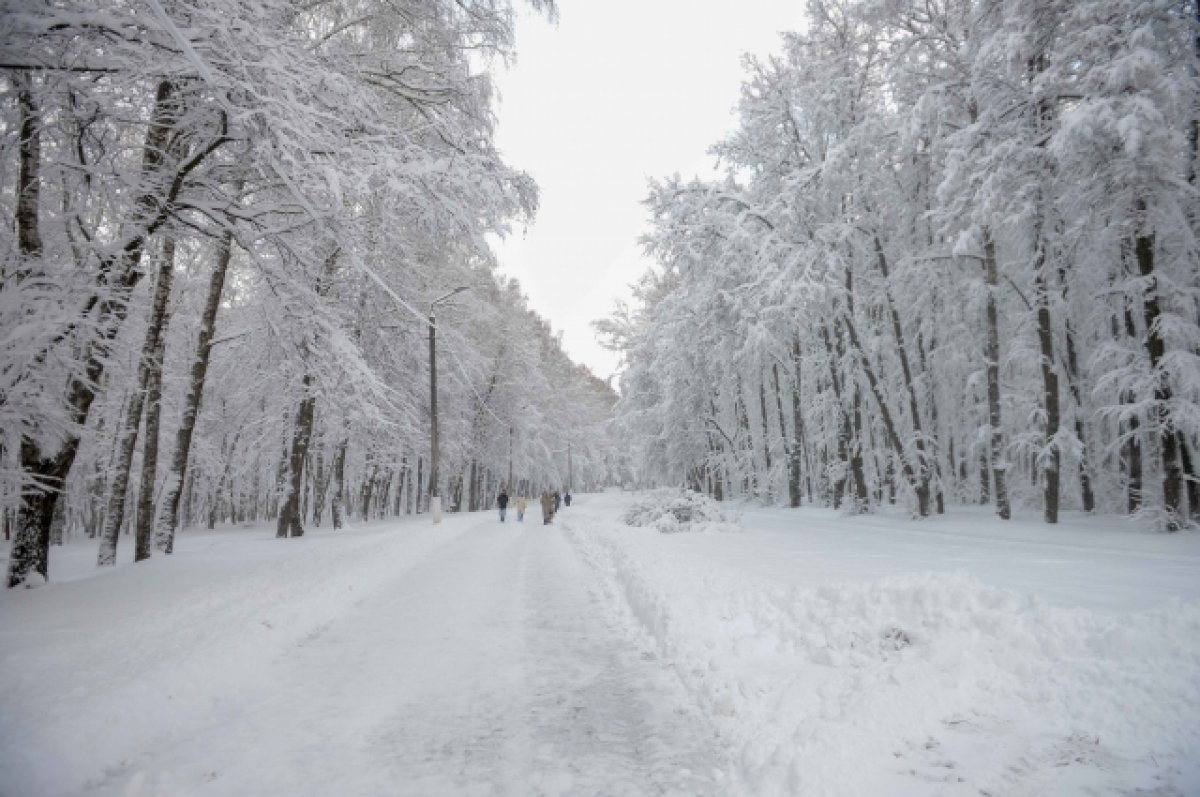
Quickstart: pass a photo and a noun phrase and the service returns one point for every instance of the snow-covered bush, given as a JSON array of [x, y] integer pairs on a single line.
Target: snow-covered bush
[[670, 511]]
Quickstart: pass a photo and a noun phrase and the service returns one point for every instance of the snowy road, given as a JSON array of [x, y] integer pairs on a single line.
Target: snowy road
[[489, 666], [797, 654]]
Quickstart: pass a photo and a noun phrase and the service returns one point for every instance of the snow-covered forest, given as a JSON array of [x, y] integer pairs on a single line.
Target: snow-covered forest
[[914, 372], [950, 257], [228, 222]]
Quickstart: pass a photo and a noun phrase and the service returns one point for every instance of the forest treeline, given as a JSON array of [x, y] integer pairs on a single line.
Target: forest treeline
[[950, 256], [229, 221]]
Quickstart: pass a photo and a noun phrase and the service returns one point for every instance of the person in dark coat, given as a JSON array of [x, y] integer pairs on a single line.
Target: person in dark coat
[[567, 498], [547, 507], [557, 501], [502, 502]]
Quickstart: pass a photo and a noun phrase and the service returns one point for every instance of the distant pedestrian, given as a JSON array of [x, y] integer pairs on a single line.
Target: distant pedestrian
[[557, 501], [567, 498], [547, 507], [502, 502], [521, 504]]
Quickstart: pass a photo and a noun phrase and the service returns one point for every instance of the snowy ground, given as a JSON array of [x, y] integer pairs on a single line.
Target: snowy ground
[[807, 654]]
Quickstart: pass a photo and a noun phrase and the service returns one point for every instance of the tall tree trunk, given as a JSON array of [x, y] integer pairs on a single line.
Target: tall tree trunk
[[337, 506], [843, 422], [29, 236], [128, 434], [789, 446], [766, 430], [1170, 445], [862, 496], [885, 414], [1073, 378], [796, 455], [30, 551], [168, 521], [290, 522], [922, 485], [320, 485], [997, 458], [420, 485], [1050, 457], [145, 515]]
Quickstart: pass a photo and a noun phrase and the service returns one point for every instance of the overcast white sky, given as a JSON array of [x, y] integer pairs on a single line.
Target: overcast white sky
[[618, 92]]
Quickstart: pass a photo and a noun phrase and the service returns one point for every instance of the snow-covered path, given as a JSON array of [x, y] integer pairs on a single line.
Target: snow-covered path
[[490, 666], [796, 653]]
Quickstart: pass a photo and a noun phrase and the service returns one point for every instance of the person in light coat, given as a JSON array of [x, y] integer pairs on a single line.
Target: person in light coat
[[521, 505]]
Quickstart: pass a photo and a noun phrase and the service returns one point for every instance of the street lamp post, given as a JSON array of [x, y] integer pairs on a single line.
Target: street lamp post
[[435, 500]]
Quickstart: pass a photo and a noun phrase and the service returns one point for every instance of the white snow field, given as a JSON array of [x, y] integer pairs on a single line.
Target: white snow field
[[806, 654]]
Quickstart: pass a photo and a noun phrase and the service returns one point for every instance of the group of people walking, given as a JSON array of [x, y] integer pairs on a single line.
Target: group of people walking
[[551, 502]]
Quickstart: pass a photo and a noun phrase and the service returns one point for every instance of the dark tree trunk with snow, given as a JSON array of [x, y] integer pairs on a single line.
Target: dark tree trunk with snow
[[995, 437], [168, 520], [127, 436], [290, 522], [144, 528], [337, 505], [1050, 456], [118, 274], [1170, 445]]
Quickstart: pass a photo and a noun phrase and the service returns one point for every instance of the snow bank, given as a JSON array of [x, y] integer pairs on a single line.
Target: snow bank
[[672, 511], [919, 684]]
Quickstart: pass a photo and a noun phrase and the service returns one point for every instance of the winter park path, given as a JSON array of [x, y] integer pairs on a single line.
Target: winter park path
[[488, 663], [787, 653]]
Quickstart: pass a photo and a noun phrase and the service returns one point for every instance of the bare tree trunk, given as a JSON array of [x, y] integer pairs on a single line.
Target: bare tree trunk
[[168, 521], [337, 506], [320, 485], [998, 460], [792, 447], [889, 426], [1085, 472], [420, 485], [844, 433], [29, 236], [30, 551], [368, 486], [290, 522], [385, 493], [796, 470], [862, 496], [921, 485], [153, 411], [1169, 440], [127, 436], [766, 429], [1051, 456]]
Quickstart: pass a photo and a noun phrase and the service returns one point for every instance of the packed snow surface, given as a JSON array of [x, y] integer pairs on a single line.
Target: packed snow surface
[[808, 654]]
